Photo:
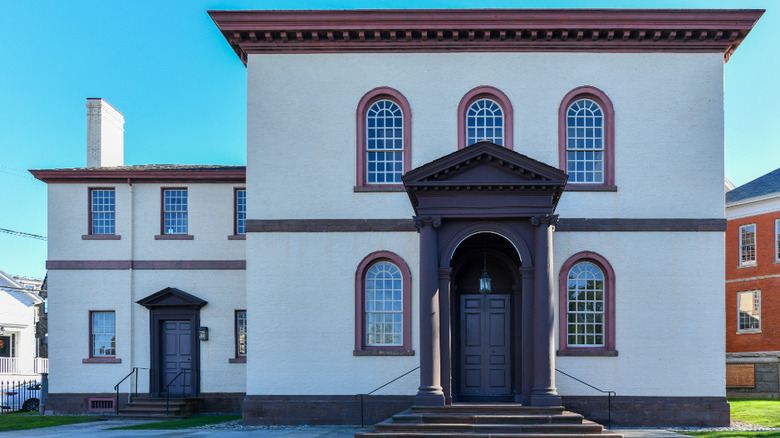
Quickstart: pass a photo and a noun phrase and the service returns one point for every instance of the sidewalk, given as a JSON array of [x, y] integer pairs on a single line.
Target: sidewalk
[[98, 429]]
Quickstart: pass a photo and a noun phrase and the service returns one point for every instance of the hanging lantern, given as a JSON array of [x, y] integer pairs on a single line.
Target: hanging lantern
[[484, 280]]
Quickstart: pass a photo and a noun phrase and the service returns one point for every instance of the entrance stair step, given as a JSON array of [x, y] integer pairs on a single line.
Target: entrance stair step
[[487, 421], [160, 408]]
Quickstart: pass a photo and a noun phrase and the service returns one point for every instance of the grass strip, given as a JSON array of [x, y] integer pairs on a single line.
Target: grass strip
[[186, 423], [761, 412], [25, 421], [735, 434]]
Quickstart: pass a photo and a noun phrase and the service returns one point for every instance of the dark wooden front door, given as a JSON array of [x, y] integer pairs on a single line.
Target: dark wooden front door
[[485, 346], [176, 355]]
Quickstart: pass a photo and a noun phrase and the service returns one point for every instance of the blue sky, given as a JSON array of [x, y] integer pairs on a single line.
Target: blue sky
[[182, 90]]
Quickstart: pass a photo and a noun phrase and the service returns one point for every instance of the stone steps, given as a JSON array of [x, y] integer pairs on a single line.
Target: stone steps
[[160, 408], [487, 421]]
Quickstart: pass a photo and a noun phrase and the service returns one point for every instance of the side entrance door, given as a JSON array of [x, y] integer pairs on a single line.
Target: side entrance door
[[485, 347], [175, 356]]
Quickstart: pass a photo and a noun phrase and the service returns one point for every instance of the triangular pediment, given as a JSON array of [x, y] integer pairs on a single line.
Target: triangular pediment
[[171, 297], [485, 162], [486, 168]]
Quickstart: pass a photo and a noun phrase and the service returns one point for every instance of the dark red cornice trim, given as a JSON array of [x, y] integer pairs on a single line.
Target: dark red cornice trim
[[78, 265], [147, 176], [485, 30]]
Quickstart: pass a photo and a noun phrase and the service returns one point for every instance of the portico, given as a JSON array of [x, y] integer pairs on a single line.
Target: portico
[[486, 207]]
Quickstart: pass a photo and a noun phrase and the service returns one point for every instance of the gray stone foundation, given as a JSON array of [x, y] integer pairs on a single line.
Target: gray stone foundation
[[767, 374]]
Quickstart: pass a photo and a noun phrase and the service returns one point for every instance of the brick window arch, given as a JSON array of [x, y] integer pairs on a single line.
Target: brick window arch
[[384, 140], [485, 113], [586, 139], [586, 304], [383, 298]]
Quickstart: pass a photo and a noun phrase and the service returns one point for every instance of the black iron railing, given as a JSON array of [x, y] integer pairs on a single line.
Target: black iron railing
[[134, 393], [183, 374], [20, 395], [610, 394], [360, 396]]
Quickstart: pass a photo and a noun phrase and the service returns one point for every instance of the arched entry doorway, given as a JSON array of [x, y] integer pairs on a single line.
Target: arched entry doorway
[[484, 319]]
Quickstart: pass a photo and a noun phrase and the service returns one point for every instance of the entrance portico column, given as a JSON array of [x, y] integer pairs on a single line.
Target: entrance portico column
[[543, 392], [430, 391]]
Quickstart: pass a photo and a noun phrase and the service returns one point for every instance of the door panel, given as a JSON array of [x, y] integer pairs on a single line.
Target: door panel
[[176, 355], [485, 346]]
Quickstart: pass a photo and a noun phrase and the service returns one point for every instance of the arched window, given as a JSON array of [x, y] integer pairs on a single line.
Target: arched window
[[383, 305], [383, 140], [485, 113], [587, 306], [586, 131]]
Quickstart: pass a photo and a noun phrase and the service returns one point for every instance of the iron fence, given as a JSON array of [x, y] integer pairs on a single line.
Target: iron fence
[[20, 395]]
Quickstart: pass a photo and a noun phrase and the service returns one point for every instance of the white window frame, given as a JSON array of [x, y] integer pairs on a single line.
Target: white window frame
[[577, 144], [777, 240], [391, 164], [755, 250], [757, 294]]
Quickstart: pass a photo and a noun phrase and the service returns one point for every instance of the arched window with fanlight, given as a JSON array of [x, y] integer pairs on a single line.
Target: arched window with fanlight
[[586, 144], [485, 114], [587, 306], [382, 305], [384, 140]]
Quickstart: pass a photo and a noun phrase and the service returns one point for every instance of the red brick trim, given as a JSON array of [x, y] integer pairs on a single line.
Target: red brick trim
[[360, 276], [365, 103], [493, 94], [609, 307], [605, 103]]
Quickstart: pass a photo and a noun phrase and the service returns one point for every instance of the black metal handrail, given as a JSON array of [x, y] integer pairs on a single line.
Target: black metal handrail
[[610, 394], [135, 394], [360, 396], [183, 372]]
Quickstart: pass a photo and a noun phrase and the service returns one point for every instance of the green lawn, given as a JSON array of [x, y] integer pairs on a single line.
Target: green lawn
[[200, 420], [761, 412], [24, 421], [773, 434]]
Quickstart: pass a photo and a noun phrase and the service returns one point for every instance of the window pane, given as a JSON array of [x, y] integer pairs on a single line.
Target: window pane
[[241, 332], [241, 211], [484, 113], [102, 206], [384, 168], [175, 211], [585, 305], [103, 334], [747, 244], [384, 303], [749, 308], [582, 116]]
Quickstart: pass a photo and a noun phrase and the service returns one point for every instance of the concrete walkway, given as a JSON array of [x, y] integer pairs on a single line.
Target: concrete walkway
[[99, 429]]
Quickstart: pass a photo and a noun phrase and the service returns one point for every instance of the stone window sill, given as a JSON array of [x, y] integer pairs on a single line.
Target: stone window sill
[[383, 352], [240, 359], [174, 237], [584, 352], [237, 237], [101, 237], [749, 332], [101, 360]]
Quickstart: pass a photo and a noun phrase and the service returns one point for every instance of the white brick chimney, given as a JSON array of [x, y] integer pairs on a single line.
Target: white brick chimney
[[105, 134]]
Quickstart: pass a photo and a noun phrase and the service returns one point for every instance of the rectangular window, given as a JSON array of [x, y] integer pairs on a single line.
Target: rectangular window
[[174, 211], [240, 213], [103, 332], [777, 240], [749, 311], [102, 204], [240, 333], [747, 244]]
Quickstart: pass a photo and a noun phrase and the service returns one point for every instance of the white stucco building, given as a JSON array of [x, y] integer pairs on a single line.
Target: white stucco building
[[18, 316], [394, 160]]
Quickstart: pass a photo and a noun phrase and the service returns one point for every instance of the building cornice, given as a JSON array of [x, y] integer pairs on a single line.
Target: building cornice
[[486, 30], [227, 174]]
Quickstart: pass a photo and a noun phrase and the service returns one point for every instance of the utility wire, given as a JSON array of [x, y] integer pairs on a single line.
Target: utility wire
[[22, 234]]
